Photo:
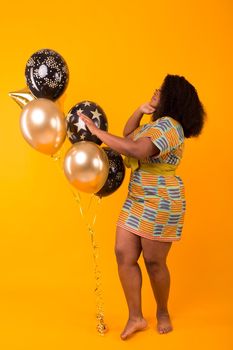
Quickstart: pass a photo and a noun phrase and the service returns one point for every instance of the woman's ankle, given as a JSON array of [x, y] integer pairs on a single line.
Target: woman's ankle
[[162, 311], [136, 317]]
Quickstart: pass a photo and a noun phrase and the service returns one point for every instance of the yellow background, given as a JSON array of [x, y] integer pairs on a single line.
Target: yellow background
[[118, 53]]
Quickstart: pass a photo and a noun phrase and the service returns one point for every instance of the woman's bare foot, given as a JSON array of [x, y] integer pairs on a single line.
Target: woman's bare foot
[[164, 323], [132, 326]]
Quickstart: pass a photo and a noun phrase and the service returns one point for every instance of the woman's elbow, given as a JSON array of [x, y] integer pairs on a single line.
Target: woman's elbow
[[138, 153], [144, 150]]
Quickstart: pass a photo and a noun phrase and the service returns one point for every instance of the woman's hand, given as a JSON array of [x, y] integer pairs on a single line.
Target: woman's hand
[[89, 123], [139, 149], [146, 108]]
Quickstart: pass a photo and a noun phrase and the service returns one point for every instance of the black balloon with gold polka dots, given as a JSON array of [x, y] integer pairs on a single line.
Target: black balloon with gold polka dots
[[47, 74], [116, 173]]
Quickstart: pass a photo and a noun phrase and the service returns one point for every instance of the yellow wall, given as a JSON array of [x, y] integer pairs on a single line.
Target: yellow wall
[[117, 53]]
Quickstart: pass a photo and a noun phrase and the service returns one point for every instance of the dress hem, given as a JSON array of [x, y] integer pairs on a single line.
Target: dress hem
[[152, 238]]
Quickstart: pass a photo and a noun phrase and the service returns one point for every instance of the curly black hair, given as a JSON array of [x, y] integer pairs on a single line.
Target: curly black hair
[[179, 100]]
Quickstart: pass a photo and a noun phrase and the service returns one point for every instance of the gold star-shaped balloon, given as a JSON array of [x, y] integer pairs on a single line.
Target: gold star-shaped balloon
[[22, 97]]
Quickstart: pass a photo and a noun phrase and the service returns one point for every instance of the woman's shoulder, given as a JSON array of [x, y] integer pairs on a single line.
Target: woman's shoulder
[[169, 125], [167, 122], [165, 119]]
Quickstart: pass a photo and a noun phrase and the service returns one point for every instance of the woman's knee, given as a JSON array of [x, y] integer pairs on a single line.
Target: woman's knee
[[155, 254], [123, 257], [154, 264], [127, 247], [119, 253]]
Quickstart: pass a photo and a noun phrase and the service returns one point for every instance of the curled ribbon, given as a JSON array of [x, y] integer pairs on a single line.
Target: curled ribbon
[[89, 223]]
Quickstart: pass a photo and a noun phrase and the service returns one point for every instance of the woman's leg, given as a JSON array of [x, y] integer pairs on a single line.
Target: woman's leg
[[155, 254], [128, 249]]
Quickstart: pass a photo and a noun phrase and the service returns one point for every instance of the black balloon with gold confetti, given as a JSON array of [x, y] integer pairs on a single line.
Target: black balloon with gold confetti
[[116, 173], [47, 74], [77, 129]]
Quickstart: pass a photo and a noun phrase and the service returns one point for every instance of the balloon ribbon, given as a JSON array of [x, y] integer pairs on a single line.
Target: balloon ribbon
[[89, 223]]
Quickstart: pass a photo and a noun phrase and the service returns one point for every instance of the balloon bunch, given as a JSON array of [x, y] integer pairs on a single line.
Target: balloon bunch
[[88, 167]]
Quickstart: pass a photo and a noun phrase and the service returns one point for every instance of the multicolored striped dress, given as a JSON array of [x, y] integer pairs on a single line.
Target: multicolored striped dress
[[155, 204]]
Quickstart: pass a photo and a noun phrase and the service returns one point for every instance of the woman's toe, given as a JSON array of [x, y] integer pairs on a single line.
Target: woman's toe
[[168, 329]]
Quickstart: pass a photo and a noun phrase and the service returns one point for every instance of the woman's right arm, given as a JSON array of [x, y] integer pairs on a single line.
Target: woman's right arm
[[134, 121]]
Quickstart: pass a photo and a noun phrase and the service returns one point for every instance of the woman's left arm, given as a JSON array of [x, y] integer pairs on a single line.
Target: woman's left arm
[[140, 149]]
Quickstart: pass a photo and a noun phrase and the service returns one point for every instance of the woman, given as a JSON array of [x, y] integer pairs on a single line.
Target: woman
[[152, 215]]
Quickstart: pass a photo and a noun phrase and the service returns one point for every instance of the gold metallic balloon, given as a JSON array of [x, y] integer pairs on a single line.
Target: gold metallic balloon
[[43, 125], [86, 166], [22, 97]]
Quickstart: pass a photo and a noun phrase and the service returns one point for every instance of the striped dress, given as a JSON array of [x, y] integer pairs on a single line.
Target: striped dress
[[155, 204]]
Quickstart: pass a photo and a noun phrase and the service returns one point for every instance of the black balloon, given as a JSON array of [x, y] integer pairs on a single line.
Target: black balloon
[[77, 129], [47, 74], [116, 173]]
